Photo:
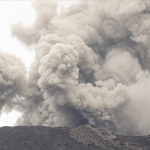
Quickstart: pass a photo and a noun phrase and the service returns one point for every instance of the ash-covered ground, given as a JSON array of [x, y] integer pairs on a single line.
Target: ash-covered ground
[[68, 138]]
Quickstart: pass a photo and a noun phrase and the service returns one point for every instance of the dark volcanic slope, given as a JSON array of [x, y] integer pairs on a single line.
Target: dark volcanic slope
[[75, 138]]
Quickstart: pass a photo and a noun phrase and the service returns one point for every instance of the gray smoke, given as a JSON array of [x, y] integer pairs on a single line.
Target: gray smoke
[[46, 10], [92, 66], [12, 83]]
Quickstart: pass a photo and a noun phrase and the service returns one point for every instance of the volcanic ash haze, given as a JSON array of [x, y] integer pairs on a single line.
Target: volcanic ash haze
[[91, 66]]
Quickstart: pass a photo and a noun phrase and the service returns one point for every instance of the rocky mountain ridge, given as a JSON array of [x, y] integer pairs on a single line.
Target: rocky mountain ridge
[[68, 138]]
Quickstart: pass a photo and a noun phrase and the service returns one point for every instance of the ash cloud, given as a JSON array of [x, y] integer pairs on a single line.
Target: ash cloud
[[12, 83], [91, 66], [46, 10]]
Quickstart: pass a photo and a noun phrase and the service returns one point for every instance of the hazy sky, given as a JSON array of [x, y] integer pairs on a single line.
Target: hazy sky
[[12, 12]]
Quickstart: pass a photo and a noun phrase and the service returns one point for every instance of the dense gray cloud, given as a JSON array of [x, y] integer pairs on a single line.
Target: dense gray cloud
[[12, 83], [91, 66]]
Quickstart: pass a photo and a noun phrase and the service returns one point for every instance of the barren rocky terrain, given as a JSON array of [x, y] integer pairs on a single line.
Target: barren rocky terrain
[[63, 138]]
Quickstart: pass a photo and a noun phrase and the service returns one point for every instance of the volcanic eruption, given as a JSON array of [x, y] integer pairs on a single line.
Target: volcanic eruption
[[92, 66]]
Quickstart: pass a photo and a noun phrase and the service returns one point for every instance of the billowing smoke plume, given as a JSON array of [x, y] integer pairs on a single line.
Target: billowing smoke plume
[[92, 66], [45, 12], [12, 83]]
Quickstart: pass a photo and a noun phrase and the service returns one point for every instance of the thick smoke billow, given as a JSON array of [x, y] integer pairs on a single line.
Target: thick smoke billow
[[12, 83], [92, 66]]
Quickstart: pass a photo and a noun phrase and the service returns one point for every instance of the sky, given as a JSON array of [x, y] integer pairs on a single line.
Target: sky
[[12, 12]]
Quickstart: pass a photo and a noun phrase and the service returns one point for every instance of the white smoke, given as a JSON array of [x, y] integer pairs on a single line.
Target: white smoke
[[91, 66]]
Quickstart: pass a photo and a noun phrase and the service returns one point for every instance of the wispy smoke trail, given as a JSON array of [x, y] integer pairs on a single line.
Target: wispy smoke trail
[[91, 66]]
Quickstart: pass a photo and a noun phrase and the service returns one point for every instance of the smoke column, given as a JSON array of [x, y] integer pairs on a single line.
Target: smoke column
[[92, 66]]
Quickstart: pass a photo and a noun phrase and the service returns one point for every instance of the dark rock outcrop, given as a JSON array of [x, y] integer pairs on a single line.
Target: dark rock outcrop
[[63, 138]]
